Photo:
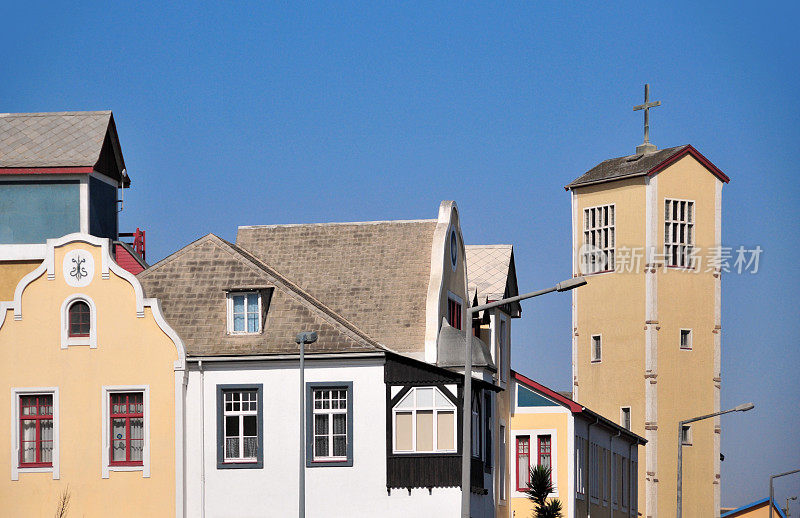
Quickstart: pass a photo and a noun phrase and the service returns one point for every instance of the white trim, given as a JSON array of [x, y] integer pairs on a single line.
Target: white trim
[[84, 204], [574, 294], [22, 252], [16, 392], [229, 303], [652, 217], [502, 479], [67, 340], [503, 348], [717, 340], [105, 179], [105, 392], [533, 450]]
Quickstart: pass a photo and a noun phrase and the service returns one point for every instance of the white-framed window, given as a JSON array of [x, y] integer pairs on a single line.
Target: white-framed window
[[625, 417], [125, 438], [35, 436], [686, 339], [330, 424], [502, 346], [596, 345], [686, 435], [424, 421], [476, 426], [679, 233], [502, 487], [599, 240], [78, 321], [244, 312]]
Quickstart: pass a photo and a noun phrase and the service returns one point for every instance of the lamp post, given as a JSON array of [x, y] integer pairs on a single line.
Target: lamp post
[[307, 337], [466, 442], [741, 408], [772, 490]]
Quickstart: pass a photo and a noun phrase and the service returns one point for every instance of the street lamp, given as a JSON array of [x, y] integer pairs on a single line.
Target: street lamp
[[307, 337], [772, 491], [466, 446], [741, 408]]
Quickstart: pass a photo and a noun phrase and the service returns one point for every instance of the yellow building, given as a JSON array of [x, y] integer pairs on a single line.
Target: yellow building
[[646, 329], [549, 429], [93, 381]]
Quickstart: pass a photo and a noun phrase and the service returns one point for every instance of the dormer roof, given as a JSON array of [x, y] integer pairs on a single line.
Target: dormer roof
[[492, 275], [644, 164], [61, 143]]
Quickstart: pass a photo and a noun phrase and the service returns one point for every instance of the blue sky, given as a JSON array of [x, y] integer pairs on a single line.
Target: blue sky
[[234, 113]]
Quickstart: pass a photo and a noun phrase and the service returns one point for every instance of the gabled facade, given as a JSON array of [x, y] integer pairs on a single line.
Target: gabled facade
[[383, 392], [757, 509], [646, 329], [93, 381], [552, 430]]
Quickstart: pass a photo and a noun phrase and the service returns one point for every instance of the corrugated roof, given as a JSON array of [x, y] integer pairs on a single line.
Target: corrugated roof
[[375, 274], [192, 286]]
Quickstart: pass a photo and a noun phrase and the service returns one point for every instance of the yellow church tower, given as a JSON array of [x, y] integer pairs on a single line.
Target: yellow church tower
[[646, 231]]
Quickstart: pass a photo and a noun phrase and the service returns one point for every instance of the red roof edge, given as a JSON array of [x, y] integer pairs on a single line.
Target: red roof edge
[[45, 170], [574, 407], [689, 150]]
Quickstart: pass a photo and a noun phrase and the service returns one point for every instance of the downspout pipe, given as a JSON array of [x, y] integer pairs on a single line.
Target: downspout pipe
[[611, 483], [589, 467], [202, 441]]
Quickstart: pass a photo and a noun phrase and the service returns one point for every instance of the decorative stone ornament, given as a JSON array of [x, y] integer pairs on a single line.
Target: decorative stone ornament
[[78, 268]]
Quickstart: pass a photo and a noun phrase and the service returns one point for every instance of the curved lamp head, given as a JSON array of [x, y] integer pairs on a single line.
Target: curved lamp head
[[306, 337], [745, 407], [570, 284]]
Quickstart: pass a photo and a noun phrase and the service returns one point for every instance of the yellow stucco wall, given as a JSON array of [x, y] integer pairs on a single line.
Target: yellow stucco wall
[[615, 306], [10, 274], [130, 351], [522, 507]]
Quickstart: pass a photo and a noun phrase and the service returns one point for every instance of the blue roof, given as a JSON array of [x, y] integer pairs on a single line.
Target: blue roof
[[779, 511]]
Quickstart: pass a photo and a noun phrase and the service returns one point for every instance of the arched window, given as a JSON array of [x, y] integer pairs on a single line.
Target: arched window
[[79, 319]]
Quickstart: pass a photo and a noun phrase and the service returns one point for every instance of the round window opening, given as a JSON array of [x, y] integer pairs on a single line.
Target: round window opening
[[453, 248]]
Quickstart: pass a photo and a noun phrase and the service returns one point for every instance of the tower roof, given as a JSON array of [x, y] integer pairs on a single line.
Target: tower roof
[[61, 142], [643, 164]]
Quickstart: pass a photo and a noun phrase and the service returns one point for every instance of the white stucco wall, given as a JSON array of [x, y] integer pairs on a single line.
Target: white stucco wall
[[359, 490]]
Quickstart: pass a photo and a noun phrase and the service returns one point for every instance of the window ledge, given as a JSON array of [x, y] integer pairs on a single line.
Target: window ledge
[[35, 469], [597, 361], [343, 463], [115, 467]]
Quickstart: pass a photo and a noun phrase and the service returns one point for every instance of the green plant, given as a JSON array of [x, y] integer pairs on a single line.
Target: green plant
[[539, 487]]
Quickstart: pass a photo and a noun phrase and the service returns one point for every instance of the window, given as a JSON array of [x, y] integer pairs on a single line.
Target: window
[[544, 453], [597, 348], [502, 347], [686, 435], [594, 471], [424, 421], [686, 338], [454, 313], [239, 426], [36, 430], [625, 417], [580, 456], [502, 459], [79, 320], [523, 462], [634, 488], [598, 239], [127, 428], [476, 426], [488, 451], [329, 424], [679, 233], [244, 312]]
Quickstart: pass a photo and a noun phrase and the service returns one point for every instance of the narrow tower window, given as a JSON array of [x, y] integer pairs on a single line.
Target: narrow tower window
[[686, 338], [597, 348], [598, 239], [679, 233], [625, 417]]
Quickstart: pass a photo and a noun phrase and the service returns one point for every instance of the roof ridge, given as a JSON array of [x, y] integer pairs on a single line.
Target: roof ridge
[[176, 254], [310, 298], [332, 223], [46, 114]]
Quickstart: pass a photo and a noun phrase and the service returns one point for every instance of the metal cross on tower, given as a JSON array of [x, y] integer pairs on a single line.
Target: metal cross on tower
[[646, 146]]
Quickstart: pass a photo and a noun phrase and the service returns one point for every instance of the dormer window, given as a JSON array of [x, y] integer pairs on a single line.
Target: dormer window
[[244, 312], [79, 319]]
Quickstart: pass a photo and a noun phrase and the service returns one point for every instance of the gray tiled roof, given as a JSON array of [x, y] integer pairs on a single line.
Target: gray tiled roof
[[374, 274], [192, 284], [57, 139], [487, 270], [624, 167]]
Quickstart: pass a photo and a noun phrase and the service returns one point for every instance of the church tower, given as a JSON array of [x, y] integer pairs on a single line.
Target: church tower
[[646, 231]]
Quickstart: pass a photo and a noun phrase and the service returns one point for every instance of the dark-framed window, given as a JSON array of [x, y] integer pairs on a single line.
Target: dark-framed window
[[240, 427], [329, 423], [79, 319], [35, 430], [487, 436], [127, 428], [454, 313], [523, 462]]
